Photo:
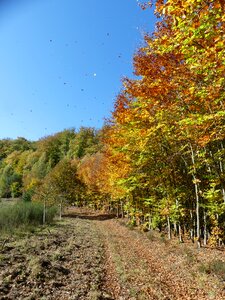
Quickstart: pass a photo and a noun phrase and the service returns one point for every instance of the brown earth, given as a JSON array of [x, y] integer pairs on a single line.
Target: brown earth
[[93, 256]]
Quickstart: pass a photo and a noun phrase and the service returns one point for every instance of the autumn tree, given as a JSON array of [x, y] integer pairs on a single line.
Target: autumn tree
[[61, 186], [169, 121]]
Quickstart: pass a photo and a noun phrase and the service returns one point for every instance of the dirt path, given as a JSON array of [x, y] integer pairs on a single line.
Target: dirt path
[[148, 268], [91, 256], [144, 266]]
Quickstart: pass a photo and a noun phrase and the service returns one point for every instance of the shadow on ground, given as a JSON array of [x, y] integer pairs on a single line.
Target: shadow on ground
[[95, 217]]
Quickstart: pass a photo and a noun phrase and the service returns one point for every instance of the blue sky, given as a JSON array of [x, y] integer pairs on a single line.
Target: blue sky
[[62, 62]]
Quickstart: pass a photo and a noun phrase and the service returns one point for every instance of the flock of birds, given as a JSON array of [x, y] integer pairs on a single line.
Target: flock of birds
[[67, 84], [82, 89]]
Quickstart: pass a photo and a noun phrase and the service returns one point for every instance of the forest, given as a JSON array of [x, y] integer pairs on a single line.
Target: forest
[[160, 159]]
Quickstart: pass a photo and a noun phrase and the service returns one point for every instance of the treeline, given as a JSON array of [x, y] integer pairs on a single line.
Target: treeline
[[161, 158], [27, 168], [166, 142]]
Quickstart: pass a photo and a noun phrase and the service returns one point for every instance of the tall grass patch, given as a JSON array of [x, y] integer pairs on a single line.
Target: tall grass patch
[[23, 214]]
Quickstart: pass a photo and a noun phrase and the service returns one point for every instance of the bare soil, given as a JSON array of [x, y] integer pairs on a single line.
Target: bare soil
[[92, 256]]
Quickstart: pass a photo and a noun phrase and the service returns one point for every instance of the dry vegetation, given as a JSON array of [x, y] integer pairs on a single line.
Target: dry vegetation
[[59, 262]]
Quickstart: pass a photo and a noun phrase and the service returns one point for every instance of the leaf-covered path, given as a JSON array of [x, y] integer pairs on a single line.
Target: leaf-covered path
[[144, 266], [141, 266], [91, 256]]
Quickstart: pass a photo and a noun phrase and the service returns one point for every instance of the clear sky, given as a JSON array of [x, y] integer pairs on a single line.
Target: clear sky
[[61, 61]]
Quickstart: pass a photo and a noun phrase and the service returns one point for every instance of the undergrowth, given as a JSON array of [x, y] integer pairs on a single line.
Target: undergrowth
[[23, 215], [216, 267]]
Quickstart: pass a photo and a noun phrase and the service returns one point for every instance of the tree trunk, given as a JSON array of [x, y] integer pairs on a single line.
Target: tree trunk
[[149, 222], [180, 234], [205, 228], [122, 211], [175, 228], [169, 228], [197, 200], [117, 210], [221, 170], [192, 234]]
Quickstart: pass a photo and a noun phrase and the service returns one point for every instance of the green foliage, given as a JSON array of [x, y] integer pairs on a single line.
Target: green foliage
[[86, 142], [24, 165], [27, 195], [8, 146], [61, 185], [156, 221], [41, 167], [23, 215], [10, 182]]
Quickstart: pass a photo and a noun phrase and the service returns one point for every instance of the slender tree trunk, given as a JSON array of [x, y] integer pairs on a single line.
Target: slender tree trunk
[[222, 171], [223, 192], [197, 200], [149, 222], [175, 228], [117, 210], [194, 226], [185, 229], [169, 227], [205, 228], [192, 234], [122, 211], [197, 217], [175, 224], [180, 234]]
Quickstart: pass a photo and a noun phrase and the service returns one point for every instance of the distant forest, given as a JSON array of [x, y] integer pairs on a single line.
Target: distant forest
[[26, 167]]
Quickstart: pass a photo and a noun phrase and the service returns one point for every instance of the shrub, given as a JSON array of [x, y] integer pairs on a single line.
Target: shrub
[[26, 197]]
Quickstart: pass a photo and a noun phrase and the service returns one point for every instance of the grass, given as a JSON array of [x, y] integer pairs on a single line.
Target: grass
[[216, 267], [23, 215]]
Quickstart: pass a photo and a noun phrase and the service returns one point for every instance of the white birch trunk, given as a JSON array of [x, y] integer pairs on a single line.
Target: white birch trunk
[[197, 199]]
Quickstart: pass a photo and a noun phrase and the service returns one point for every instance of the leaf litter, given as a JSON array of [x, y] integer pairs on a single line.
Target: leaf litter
[[92, 256]]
